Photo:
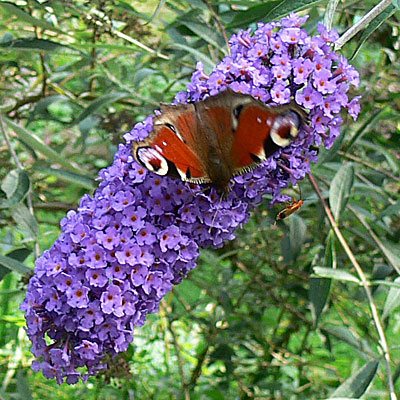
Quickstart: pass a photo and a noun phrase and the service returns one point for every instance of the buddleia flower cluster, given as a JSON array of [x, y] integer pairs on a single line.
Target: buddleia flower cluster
[[139, 235]]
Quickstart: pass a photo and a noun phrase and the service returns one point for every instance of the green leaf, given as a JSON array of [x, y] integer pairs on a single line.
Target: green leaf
[[320, 287], [382, 113], [25, 220], [318, 295], [34, 44], [253, 14], [357, 385], [7, 104], [392, 253], [99, 103], [14, 265], [204, 32], [23, 388], [198, 55], [16, 186], [37, 144], [396, 3], [395, 285], [24, 16], [19, 254], [392, 209], [326, 155], [287, 6], [78, 179], [392, 300], [330, 13], [374, 25], [337, 274], [297, 235], [340, 189], [41, 108], [141, 75], [156, 12], [345, 335]]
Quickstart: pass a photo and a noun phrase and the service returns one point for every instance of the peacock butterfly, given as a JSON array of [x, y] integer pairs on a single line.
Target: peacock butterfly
[[213, 140]]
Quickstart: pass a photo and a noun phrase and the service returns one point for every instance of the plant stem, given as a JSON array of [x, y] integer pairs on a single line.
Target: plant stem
[[365, 283], [360, 25]]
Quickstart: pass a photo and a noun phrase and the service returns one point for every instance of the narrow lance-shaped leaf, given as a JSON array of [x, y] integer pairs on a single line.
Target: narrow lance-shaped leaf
[[392, 300], [287, 6], [345, 335], [99, 103], [297, 234], [252, 14], [330, 13], [356, 385], [78, 179], [14, 265], [364, 128], [340, 189], [204, 32], [16, 186], [37, 144], [198, 55], [338, 274], [25, 220], [373, 26], [24, 16], [320, 287], [34, 44]]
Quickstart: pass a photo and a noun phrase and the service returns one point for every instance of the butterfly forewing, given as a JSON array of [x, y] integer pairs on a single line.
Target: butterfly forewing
[[172, 140], [252, 132]]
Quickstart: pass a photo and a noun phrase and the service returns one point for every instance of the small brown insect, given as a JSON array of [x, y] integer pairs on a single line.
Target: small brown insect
[[289, 210]]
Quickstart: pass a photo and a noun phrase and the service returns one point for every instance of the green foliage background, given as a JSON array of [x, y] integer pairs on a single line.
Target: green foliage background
[[282, 312]]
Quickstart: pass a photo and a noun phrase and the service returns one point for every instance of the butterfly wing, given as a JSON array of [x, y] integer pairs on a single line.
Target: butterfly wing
[[261, 131], [244, 131], [170, 149]]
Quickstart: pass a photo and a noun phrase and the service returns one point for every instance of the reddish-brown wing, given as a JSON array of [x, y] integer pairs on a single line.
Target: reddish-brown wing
[[254, 126], [170, 148], [262, 131]]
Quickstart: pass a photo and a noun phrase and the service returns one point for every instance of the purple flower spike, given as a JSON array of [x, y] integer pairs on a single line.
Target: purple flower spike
[[140, 234]]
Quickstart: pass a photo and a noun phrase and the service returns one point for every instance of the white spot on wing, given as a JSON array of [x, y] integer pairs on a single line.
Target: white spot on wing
[[261, 154], [179, 136], [164, 143], [278, 140], [182, 174], [150, 157], [234, 122], [259, 120]]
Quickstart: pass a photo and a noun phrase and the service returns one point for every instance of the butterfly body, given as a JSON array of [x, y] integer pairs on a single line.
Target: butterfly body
[[213, 140]]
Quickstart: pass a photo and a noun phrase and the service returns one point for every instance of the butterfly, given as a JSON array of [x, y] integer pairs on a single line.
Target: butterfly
[[216, 139], [289, 210]]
